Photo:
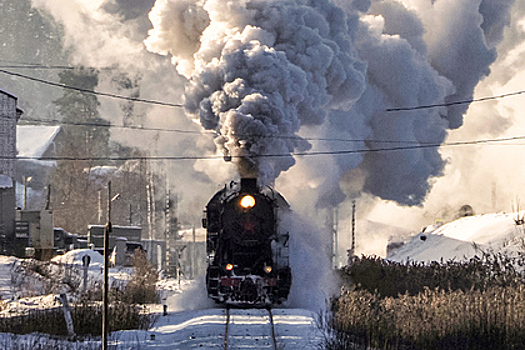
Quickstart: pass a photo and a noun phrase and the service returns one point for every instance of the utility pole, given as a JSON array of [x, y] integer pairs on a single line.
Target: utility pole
[[100, 206], [193, 256], [332, 225], [105, 301], [168, 228], [351, 251], [27, 179], [335, 237]]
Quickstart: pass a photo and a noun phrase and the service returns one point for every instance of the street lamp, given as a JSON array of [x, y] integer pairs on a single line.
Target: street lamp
[[27, 179]]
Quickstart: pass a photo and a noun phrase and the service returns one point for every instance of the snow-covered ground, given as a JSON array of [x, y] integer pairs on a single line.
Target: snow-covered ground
[[204, 329], [192, 322]]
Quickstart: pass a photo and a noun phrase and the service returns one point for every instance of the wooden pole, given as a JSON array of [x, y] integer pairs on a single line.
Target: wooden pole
[[67, 314], [351, 251], [167, 229]]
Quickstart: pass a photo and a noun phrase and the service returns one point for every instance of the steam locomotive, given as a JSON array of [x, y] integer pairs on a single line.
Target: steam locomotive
[[247, 251]]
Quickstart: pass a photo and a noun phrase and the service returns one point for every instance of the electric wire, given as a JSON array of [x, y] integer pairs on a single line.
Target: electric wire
[[454, 103], [98, 93], [169, 104], [204, 132], [412, 144], [36, 67], [295, 154]]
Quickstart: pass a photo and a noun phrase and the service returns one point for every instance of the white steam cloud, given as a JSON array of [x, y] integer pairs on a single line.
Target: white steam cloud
[[308, 257], [268, 75], [261, 73]]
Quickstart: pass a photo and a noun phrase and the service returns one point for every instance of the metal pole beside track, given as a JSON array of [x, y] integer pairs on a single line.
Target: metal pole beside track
[[107, 231]]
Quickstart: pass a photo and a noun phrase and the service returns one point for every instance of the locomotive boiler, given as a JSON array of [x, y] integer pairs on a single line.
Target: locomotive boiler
[[247, 250]]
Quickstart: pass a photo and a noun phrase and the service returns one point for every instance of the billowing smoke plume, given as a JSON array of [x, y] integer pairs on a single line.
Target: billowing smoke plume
[[273, 77], [261, 73], [261, 70]]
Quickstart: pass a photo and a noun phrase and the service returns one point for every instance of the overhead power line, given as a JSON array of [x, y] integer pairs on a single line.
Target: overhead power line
[[56, 122], [455, 103], [75, 88], [214, 133], [9, 64], [169, 104], [298, 154], [35, 66], [204, 132]]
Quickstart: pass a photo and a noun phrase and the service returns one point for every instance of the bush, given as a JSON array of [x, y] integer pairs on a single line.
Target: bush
[[141, 289], [127, 308], [435, 319], [87, 319]]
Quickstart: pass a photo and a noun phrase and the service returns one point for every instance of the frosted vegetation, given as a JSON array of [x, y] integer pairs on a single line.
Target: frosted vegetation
[[130, 302]]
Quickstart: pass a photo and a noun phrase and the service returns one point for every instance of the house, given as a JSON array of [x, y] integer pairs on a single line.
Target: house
[[35, 143], [9, 116]]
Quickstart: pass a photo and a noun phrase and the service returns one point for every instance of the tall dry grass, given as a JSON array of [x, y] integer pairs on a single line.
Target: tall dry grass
[[474, 305]]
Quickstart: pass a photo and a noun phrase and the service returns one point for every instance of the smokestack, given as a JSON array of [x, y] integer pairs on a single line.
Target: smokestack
[[249, 185]]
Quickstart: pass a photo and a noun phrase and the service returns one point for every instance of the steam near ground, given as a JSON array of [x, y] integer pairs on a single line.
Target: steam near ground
[[314, 281], [308, 257]]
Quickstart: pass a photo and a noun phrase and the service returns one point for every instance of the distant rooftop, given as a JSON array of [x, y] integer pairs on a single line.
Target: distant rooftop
[[8, 94], [5, 181], [34, 140]]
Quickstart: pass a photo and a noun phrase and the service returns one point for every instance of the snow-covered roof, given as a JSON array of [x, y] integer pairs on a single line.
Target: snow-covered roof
[[461, 239], [8, 94], [33, 140], [187, 235], [5, 181]]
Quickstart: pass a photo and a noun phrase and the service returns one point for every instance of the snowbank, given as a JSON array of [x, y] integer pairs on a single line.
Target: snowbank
[[463, 238]]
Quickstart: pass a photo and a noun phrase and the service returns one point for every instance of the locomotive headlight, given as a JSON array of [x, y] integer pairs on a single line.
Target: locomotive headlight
[[229, 267], [247, 202], [267, 269]]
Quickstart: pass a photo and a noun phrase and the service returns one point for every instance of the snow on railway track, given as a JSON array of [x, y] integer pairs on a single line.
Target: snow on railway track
[[244, 328], [291, 329]]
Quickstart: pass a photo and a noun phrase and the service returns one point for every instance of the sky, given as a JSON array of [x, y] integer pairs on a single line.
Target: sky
[[308, 76]]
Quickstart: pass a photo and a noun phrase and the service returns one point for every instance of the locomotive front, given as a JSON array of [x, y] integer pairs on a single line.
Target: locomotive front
[[247, 253]]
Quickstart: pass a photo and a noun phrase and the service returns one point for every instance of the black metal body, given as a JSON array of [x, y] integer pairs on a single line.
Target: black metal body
[[243, 265]]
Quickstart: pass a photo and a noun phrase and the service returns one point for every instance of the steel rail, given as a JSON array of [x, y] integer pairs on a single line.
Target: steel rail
[[227, 328], [272, 326]]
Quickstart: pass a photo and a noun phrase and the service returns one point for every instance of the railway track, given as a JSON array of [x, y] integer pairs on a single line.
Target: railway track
[[261, 330]]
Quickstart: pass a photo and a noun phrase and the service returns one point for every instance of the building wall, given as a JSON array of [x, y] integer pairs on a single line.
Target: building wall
[[7, 220], [8, 119], [9, 115]]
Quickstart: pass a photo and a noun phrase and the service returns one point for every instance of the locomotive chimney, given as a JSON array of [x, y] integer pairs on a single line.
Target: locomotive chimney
[[248, 185]]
